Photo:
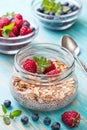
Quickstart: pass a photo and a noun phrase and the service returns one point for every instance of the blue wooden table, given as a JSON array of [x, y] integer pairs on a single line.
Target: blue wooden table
[[79, 32]]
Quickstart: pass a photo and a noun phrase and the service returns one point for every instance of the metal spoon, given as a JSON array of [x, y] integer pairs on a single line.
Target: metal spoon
[[68, 43]]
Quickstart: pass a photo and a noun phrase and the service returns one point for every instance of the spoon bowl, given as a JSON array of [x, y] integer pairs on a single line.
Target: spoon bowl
[[68, 43]]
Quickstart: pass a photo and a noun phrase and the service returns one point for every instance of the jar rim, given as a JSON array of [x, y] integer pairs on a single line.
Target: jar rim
[[60, 76]]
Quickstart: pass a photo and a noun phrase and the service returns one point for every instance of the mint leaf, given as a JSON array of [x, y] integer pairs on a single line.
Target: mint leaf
[[4, 109], [15, 113], [52, 6], [59, 8], [9, 15], [6, 120], [5, 33], [44, 3], [42, 63], [65, 8], [7, 29], [7, 117], [48, 5]]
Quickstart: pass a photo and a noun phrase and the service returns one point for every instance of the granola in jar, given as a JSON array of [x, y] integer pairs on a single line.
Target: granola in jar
[[44, 90]]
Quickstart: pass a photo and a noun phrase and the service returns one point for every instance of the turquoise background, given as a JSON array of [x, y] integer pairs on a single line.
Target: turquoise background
[[79, 32]]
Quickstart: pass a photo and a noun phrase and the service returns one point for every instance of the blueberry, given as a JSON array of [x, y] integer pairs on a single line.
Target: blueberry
[[49, 16], [26, 24], [7, 103], [47, 121], [55, 126], [41, 10], [51, 13], [70, 11], [74, 7], [35, 117], [24, 119], [11, 18], [66, 4], [33, 29], [63, 13]]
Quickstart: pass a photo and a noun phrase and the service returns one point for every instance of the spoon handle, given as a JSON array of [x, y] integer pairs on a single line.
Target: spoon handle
[[81, 64]]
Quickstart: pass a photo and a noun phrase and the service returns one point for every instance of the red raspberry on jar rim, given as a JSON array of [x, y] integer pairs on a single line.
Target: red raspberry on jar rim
[[51, 67], [30, 65], [55, 71]]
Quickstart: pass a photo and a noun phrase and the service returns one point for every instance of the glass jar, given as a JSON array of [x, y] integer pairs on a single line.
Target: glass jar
[[44, 92], [60, 22]]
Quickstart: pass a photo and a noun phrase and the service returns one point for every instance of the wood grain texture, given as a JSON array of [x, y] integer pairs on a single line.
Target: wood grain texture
[[79, 32]]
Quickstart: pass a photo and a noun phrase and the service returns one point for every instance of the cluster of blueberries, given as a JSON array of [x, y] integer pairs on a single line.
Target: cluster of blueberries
[[35, 117], [72, 8]]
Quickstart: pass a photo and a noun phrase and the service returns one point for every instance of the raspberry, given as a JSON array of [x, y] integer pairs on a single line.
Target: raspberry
[[0, 33], [29, 31], [18, 16], [53, 72], [11, 34], [21, 26], [51, 67], [30, 65], [17, 22], [71, 118], [15, 30], [4, 21], [25, 30], [26, 23]]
